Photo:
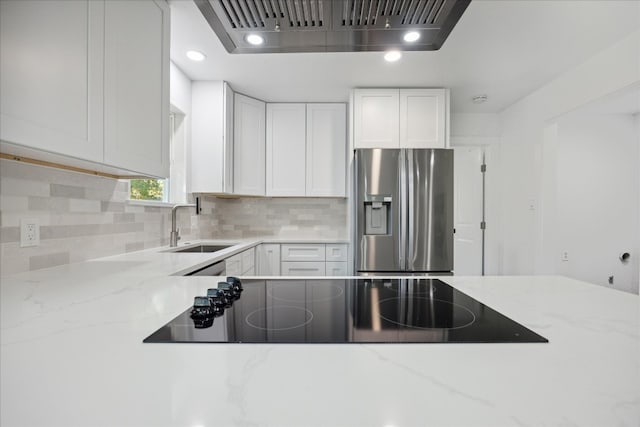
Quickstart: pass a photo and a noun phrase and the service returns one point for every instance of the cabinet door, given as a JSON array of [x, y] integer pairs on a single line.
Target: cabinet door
[[376, 118], [268, 257], [248, 260], [326, 149], [51, 73], [136, 116], [233, 265], [286, 149], [248, 146], [303, 268], [422, 118], [211, 137]]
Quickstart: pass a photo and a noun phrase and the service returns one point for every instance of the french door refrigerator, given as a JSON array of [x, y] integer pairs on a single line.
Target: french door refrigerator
[[404, 211]]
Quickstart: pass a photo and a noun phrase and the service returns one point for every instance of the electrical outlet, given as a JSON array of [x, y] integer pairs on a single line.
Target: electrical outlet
[[565, 256], [29, 232]]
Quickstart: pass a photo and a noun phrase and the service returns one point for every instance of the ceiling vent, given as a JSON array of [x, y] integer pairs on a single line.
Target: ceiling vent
[[331, 25]]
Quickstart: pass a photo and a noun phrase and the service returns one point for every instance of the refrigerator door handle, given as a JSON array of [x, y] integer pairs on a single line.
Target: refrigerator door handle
[[410, 206], [402, 244]]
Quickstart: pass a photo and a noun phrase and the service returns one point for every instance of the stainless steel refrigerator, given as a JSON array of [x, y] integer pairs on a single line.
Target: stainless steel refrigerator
[[404, 211]]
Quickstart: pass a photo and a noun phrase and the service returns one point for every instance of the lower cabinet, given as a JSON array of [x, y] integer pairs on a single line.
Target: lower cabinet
[[268, 259], [333, 268], [242, 264], [303, 268], [313, 259]]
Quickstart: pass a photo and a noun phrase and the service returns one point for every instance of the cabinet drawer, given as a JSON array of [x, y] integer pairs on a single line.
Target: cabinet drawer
[[300, 252], [303, 268], [336, 268], [337, 252]]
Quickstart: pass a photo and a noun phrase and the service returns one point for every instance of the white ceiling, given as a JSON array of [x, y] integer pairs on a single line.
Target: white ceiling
[[503, 48]]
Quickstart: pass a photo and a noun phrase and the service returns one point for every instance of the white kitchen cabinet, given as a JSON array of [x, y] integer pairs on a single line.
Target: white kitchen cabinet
[[136, 86], [248, 146], [422, 118], [326, 150], [211, 137], [303, 268], [400, 118], [268, 259], [88, 80], [285, 149], [336, 252], [376, 118], [51, 76], [336, 268], [303, 252], [242, 264]]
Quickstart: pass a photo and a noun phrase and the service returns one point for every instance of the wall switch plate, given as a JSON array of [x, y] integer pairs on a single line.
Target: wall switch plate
[[565, 256], [29, 232]]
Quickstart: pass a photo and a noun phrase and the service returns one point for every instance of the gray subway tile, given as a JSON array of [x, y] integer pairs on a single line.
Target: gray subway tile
[[68, 191], [112, 206], [37, 262], [9, 234]]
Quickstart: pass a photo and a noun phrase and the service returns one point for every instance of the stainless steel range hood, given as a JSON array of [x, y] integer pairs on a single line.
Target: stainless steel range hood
[[331, 26]]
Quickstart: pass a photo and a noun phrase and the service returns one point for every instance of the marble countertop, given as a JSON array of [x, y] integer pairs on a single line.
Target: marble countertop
[[71, 354]]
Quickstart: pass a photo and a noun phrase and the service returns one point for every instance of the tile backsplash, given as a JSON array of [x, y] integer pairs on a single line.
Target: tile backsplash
[[83, 217]]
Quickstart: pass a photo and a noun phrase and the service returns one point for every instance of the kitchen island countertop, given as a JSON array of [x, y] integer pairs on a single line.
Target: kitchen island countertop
[[72, 355]]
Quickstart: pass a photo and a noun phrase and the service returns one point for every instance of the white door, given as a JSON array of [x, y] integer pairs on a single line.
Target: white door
[[468, 196], [248, 146], [326, 150], [376, 118], [422, 118], [286, 142]]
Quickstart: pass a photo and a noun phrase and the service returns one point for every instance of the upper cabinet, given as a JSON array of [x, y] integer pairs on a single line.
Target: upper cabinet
[[211, 137], [400, 118], [286, 149], [136, 86], [306, 150], [326, 150], [51, 76], [248, 146], [88, 80]]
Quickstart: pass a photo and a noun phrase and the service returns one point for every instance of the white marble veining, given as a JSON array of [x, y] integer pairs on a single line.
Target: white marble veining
[[71, 354]]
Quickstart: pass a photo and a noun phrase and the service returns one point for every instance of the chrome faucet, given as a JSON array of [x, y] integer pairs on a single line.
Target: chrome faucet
[[175, 232]]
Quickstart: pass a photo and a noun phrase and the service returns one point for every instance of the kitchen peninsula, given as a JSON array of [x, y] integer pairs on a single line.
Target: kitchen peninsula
[[72, 355]]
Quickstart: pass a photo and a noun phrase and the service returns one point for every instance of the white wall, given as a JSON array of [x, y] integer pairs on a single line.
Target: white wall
[[597, 199], [525, 155]]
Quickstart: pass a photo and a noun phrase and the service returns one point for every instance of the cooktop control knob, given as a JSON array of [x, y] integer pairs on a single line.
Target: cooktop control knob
[[202, 322], [237, 284], [202, 307], [217, 298], [228, 291]]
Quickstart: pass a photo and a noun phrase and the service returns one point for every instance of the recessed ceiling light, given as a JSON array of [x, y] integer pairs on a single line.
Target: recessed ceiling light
[[479, 99], [194, 55], [254, 39], [392, 56], [411, 36]]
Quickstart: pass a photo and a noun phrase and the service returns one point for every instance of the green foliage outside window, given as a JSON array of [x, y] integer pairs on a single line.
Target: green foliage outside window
[[147, 189]]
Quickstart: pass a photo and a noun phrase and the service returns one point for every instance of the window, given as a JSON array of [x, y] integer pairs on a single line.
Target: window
[[172, 189]]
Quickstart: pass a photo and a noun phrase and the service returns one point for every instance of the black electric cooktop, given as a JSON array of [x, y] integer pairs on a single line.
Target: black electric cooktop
[[367, 310]]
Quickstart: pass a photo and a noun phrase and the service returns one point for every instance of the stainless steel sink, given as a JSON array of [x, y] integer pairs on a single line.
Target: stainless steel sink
[[203, 248]]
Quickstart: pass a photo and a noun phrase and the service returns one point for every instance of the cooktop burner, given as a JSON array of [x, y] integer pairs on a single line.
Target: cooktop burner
[[366, 310]]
